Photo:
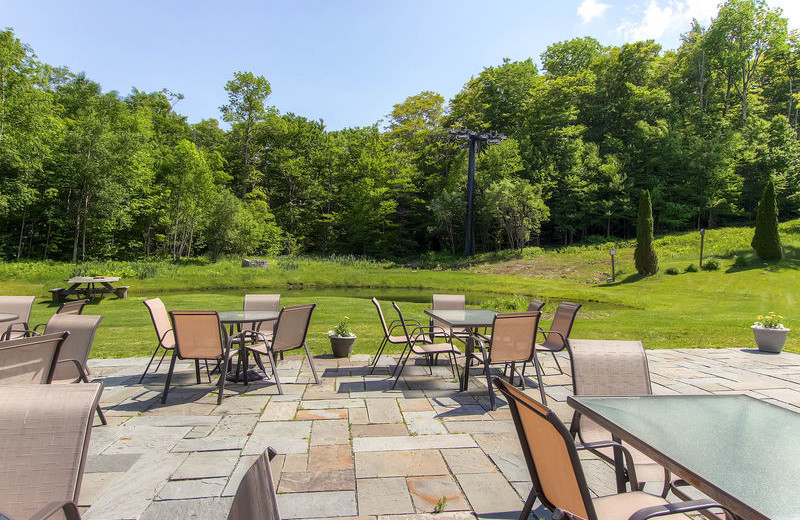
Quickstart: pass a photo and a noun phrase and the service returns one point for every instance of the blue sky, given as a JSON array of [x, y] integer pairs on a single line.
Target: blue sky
[[345, 62]]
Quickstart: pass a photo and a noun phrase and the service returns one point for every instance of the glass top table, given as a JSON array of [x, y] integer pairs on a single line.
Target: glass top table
[[470, 319], [740, 451], [247, 316]]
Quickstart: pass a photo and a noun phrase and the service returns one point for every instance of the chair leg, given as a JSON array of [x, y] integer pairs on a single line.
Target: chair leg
[[399, 368], [274, 367], [528, 507], [148, 364], [101, 416], [169, 376], [539, 371], [492, 402], [245, 365], [161, 359], [398, 361], [557, 363], [222, 376], [310, 362], [257, 359], [378, 353], [207, 371], [197, 370], [511, 377]]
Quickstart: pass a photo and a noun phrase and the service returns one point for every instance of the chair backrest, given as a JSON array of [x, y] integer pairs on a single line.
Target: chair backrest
[[255, 497], [198, 334], [19, 305], [44, 436], [77, 346], [30, 360], [447, 302], [160, 317], [535, 305], [380, 315], [514, 337], [262, 302], [609, 367], [72, 307], [550, 454], [292, 327], [562, 323]]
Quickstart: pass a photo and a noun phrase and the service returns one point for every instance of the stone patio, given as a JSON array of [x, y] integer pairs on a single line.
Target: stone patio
[[351, 446]]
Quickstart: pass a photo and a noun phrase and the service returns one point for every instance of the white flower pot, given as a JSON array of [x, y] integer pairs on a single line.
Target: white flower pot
[[770, 340]]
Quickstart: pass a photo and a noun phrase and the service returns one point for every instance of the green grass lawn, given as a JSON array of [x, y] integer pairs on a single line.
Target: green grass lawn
[[690, 309]]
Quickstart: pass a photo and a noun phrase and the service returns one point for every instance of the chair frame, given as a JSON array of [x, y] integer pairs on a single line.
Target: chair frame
[[6, 334], [225, 349], [267, 341], [256, 485], [422, 334], [23, 342], [516, 399], [160, 343], [486, 351], [387, 334], [573, 309]]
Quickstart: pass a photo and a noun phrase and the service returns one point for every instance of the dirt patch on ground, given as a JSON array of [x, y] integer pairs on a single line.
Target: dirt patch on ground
[[590, 272]]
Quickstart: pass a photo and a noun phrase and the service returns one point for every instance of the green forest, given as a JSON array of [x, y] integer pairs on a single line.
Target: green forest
[[93, 175]]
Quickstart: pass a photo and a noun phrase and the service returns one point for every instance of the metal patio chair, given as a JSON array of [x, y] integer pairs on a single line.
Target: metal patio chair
[[21, 306], [512, 342], [557, 476], [255, 497], [163, 328], [388, 337], [555, 339], [72, 307], [30, 360], [418, 342], [198, 336], [449, 302], [44, 440], [290, 333]]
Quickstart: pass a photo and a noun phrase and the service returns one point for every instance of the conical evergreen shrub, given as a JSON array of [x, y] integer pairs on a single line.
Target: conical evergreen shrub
[[766, 240], [645, 254]]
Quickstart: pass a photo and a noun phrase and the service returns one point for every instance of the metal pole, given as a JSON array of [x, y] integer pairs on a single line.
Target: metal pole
[[613, 272], [470, 193], [702, 240]]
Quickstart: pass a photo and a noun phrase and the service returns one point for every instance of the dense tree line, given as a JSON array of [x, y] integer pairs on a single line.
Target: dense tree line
[[87, 174]]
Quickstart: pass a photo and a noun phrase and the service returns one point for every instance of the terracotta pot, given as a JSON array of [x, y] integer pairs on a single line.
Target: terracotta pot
[[769, 340], [342, 346]]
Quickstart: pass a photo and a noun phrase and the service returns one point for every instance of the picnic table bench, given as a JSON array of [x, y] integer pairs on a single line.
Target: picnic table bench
[[94, 286]]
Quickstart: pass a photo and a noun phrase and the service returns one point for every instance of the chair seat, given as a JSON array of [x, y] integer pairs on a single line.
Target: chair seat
[[415, 338], [435, 348], [544, 347], [647, 470], [622, 506]]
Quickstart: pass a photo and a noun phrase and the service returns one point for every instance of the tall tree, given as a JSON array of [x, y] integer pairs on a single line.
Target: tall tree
[[766, 240], [645, 254]]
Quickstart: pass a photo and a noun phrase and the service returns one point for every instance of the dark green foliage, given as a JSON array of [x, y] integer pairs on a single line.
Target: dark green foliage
[[672, 270], [711, 265], [766, 240], [691, 268], [645, 254], [740, 261]]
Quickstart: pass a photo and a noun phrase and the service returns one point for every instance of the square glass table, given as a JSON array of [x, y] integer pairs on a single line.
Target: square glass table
[[469, 319], [742, 452]]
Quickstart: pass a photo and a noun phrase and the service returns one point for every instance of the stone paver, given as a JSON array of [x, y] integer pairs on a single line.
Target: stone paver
[[352, 446]]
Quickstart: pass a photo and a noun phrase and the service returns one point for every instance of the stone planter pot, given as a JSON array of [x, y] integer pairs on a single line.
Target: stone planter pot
[[342, 346], [770, 340]]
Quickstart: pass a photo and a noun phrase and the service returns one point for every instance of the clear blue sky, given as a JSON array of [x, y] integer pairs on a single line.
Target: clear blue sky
[[345, 62]]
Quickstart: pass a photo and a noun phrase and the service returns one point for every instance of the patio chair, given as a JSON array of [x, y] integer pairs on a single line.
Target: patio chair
[[513, 340], [164, 334], [535, 306], [255, 497], [30, 360], [44, 439], [557, 476], [290, 333], [555, 339], [72, 307], [71, 366], [449, 302], [198, 336], [612, 368], [21, 306], [262, 302], [418, 343], [388, 337]]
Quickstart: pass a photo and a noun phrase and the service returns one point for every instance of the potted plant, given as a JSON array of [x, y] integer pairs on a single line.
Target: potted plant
[[770, 333], [342, 339]]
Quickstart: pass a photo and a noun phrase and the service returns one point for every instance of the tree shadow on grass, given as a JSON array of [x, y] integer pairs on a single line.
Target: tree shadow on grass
[[791, 260]]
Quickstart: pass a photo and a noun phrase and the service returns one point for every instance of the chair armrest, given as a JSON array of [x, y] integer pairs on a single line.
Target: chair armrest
[[68, 507], [36, 328], [81, 372], [420, 332], [679, 507], [548, 332], [630, 466], [161, 339], [27, 332]]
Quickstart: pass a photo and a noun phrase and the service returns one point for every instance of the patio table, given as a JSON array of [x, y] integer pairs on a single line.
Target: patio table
[[740, 451], [237, 318], [469, 319], [91, 282]]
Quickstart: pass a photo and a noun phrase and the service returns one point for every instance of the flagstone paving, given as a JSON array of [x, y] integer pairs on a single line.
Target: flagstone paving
[[351, 446]]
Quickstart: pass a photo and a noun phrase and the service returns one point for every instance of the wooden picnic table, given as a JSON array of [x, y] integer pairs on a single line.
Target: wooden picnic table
[[94, 285]]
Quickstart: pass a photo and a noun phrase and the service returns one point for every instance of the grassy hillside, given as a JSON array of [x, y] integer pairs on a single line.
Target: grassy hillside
[[689, 309]]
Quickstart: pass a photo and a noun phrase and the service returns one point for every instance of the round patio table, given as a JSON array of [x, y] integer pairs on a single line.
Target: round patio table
[[234, 318]]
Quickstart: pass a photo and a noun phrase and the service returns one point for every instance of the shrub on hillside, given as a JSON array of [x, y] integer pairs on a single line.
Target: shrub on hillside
[[691, 268], [645, 253], [741, 261], [672, 270], [711, 265], [766, 240]]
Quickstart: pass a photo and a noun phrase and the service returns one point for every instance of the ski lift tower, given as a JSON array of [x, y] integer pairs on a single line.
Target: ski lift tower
[[475, 140]]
